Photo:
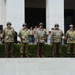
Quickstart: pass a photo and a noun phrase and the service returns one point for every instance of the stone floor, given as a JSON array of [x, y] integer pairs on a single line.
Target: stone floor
[[37, 66]]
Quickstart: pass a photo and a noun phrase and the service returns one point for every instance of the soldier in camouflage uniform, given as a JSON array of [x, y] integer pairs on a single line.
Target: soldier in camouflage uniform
[[24, 36], [8, 35], [41, 35], [56, 39], [1, 36], [70, 36]]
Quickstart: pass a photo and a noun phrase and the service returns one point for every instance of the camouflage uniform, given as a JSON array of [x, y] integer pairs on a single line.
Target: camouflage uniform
[[8, 35], [56, 38], [41, 35], [1, 37], [70, 35], [24, 36]]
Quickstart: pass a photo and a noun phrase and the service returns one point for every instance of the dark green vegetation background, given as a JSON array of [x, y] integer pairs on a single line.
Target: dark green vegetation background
[[32, 51]]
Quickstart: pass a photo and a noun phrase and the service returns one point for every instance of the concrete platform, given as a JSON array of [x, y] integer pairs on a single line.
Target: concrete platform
[[37, 66]]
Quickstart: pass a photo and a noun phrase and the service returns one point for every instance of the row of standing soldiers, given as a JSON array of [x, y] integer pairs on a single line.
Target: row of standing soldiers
[[40, 35]]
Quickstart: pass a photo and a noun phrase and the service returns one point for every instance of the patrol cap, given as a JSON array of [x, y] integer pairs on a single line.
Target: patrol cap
[[24, 24], [71, 25], [40, 24], [9, 23], [56, 25]]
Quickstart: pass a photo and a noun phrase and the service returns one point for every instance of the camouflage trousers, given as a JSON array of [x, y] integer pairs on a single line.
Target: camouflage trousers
[[24, 48], [57, 48], [71, 48], [9, 47]]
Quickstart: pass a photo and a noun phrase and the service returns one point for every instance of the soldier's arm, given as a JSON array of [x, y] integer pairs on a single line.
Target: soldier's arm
[[3, 33], [66, 34], [19, 34], [45, 33], [62, 35], [28, 32], [14, 33]]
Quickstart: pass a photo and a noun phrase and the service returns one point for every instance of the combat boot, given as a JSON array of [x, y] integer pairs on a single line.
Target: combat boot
[[11, 55], [6, 56], [21, 55], [42, 55], [26, 55], [37, 55]]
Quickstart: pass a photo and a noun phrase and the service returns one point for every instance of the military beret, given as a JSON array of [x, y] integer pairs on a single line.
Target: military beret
[[40, 24], [24, 24], [71, 25], [56, 25], [9, 23]]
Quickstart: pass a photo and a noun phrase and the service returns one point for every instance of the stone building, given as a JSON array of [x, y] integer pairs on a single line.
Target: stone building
[[34, 11]]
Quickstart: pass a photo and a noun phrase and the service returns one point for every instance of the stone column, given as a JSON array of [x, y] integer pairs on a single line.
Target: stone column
[[15, 13], [2, 12], [54, 13]]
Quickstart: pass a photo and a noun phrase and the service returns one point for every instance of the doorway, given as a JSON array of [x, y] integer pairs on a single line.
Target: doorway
[[35, 12], [69, 13]]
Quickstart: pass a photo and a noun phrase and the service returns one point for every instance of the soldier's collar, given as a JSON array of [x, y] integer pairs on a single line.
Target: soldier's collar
[[25, 29], [72, 30], [8, 28], [56, 29], [40, 29]]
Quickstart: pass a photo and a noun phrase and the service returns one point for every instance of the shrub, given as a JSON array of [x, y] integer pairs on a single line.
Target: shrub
[[32, 50]]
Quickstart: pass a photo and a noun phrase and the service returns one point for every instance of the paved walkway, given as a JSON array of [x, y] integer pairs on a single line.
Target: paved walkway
[[37, 66]]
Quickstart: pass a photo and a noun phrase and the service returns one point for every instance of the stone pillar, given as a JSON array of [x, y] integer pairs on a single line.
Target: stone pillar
[[15, 13], [54, 13], [2, 12]]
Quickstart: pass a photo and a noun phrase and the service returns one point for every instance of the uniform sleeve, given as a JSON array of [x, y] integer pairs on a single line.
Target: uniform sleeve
[[28, 32], [3, 33], [14, 32], [67, 34], [19, 34], [45, 33]]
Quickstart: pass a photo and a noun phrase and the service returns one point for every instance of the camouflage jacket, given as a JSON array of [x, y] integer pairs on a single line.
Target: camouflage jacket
[[24, 35], [8, 34], [41, 35], [70, 35], [56, 35]]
